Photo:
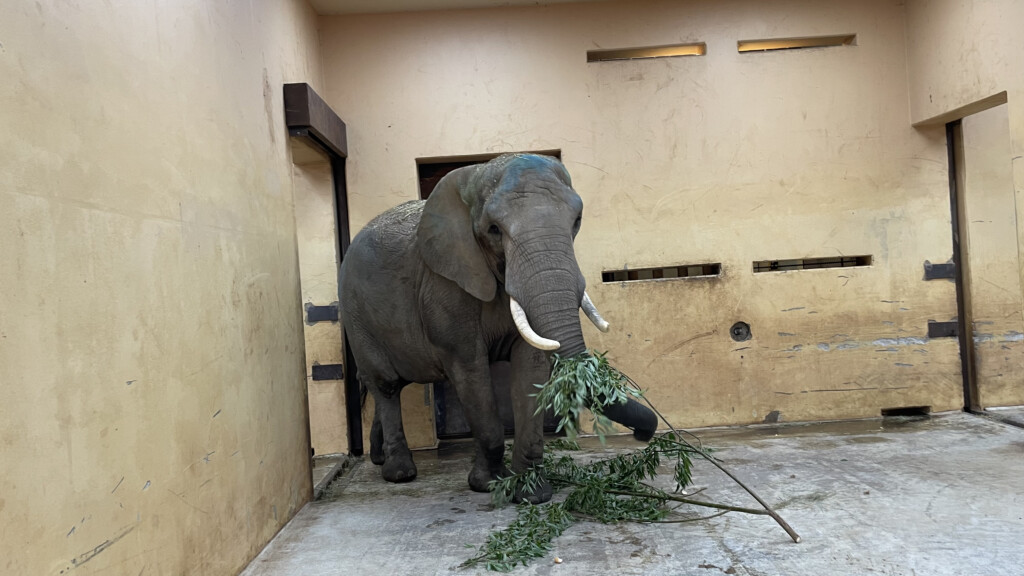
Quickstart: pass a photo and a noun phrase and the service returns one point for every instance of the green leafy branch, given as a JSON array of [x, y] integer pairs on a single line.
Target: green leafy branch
[[611, 490], [584, 381], [528, 537]]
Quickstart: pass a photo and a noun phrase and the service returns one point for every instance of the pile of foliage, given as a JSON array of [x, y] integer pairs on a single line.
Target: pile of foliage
[[611, 490]]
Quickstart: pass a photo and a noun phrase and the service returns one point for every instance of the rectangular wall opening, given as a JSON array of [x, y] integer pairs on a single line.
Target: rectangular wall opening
[[769, 44], [906, 411], [663, 273], [431, 170], [811, 263], [670, 51]]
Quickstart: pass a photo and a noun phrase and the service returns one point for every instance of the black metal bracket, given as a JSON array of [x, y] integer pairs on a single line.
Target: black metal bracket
[[942, 329], [943, 271], [316, 314], [328, 372]]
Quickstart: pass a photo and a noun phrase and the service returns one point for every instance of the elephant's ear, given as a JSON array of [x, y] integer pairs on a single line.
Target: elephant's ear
[[446, 240]]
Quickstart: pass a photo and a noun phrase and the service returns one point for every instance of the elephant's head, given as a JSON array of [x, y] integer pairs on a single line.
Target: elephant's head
[[511, 222]]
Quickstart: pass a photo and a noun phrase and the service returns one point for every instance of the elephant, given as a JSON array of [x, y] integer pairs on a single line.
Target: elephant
[[482, 271]]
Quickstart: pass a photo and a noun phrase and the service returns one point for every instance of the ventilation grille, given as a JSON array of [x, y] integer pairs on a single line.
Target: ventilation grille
[[695, 49], [770, 44], [681, 271], [811, 263]]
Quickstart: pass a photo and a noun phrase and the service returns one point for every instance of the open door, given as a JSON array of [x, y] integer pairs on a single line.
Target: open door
[[319, 150]]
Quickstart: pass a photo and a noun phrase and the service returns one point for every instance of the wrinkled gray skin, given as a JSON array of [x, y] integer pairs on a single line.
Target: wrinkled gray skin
[[425, 296]]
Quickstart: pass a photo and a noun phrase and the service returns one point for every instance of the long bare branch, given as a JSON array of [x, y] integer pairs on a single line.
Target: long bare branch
[[767, 509]]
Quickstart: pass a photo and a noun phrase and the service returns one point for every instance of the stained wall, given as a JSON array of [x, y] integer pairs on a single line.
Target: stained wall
[[725, 158], [152, 395]]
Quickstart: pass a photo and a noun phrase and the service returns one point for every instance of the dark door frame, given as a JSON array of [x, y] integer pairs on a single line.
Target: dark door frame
[[311, 120], [965, 326], [449, 419]]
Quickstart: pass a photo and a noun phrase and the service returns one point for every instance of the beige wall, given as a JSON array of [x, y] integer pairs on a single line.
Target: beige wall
[[962, 55], [152, 399], [962, 52], [724, 158]]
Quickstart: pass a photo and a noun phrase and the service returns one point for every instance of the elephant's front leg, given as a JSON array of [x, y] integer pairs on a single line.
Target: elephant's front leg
[[530, 366], [472, 381]]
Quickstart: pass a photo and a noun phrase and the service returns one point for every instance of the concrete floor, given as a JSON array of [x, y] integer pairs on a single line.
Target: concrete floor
[[942, 495]]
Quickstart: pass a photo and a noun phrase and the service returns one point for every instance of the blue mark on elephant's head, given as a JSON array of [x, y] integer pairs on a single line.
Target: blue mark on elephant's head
[[516, 173], [514, 166]]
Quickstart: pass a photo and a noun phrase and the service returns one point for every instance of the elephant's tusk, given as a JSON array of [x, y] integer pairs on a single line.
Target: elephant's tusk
[[591, 311], [523, 325]]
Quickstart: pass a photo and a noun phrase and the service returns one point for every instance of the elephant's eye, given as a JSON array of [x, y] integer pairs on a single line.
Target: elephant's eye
[[576, 224], [494, 230]]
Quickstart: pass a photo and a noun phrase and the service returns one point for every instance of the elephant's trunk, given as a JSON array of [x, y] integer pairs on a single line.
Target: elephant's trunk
[[562, 326], [555, 315], [549, 287], [543, 277], [536, 340]]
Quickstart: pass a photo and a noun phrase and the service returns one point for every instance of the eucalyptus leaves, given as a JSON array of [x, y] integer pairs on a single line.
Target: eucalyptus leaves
[[611, 490], [584, 381], [622, 488]]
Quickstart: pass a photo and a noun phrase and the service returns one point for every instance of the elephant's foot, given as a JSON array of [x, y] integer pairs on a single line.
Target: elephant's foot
[[541, 493], [398, 467], [480, 477]]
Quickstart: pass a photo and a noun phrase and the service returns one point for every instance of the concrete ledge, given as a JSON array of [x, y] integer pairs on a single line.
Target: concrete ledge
[[1014, 416], [325, 469]]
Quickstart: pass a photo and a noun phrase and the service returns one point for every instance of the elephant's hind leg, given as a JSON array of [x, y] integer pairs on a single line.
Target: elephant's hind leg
[[396, 457], [376, 437]]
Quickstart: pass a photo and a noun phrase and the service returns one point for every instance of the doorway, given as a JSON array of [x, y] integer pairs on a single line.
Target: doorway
[[319, 149], [986, 242], [449, 416]]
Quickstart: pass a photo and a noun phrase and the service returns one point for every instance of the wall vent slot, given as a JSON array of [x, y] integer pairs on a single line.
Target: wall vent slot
[[811, 263], [664, 273], [906, 411], [769, 44], [695, 49]]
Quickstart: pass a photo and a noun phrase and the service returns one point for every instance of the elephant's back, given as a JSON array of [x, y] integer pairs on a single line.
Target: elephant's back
[[395, 222], [382, 256], [380, 277], [387, 237]]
